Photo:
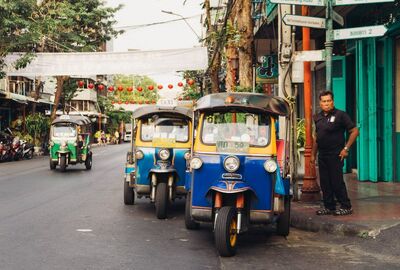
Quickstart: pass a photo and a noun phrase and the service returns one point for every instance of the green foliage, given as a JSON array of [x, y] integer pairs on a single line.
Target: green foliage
[[258, 89], [70, 90], [301, 133], [194, 91], [53, 26], [134, 81], [37, 126]]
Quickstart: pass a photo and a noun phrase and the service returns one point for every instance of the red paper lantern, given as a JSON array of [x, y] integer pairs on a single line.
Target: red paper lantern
[[126, 102], [120, 88], [111, 88], [180, 98], [147, 102], [190, 82], [81, 84], [160, 87], [170, 86], [140, 102], [154, 102], [119, 102], [129, 89], [133, 102], [113, 102], [150, 87], [90, 85], [100, 87], [180, 84], [139, 88]]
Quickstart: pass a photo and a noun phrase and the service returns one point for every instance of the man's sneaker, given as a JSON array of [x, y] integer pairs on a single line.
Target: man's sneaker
[[324, 211], [343, 212]]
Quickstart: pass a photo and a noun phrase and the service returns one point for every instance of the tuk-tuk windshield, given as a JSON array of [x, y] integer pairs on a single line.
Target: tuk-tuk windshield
[[165, 128], [251, 129], [64, 130]]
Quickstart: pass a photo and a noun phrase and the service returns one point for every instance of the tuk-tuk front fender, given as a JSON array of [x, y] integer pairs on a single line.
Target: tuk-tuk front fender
[[170, 170], [230, 187]]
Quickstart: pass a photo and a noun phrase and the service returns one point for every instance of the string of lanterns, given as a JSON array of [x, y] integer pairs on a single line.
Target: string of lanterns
[[111, 88]]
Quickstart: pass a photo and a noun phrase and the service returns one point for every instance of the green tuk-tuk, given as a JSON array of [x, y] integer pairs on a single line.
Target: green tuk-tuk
[[70, 141]]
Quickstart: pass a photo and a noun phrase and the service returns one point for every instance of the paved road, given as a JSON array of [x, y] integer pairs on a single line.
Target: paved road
[[77, 220]]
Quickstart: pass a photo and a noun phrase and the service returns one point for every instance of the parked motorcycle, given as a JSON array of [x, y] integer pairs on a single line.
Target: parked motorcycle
[[5, 151], [27, 150], [16, 149]]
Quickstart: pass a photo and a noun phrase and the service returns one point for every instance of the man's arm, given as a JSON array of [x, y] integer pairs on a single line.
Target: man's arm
[[314, 148], [352, 138]]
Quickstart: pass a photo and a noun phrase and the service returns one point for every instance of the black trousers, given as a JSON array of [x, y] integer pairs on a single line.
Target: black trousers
[[332, 183]]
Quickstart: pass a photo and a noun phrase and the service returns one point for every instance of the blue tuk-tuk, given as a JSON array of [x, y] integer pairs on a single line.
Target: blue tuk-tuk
[[235, 179], [159, 154]]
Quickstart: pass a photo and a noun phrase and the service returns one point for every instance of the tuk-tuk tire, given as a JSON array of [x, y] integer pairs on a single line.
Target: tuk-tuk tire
[[226, 215], [52, 165], [63, 163], [129, 194], [283, 225], [189, 222], [88, 162], [161, 201]]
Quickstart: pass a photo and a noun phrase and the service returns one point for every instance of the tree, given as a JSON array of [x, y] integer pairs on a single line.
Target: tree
[[134, 81], [57, 26]]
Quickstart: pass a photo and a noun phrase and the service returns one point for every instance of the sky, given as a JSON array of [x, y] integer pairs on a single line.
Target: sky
[[171, 35]]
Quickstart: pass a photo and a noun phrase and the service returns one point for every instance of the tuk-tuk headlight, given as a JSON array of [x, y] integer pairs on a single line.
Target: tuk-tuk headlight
[[270, 165], [164, 154], [231, 164], [187, 155], [196, 163], [139, 154]]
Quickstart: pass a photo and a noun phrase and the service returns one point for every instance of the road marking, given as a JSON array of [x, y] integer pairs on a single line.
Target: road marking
[[84, 230]]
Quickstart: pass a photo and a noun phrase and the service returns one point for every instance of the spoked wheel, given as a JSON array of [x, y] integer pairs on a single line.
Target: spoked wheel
[[63, 163], [88, 162], [129, 194], [30, 154], [52, 165], [189, 222], [161, 200], [225, 233], [283, 225]]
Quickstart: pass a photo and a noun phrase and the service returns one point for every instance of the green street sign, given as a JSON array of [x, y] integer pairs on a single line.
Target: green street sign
[[356, 2], [320, 3], [359, 32]]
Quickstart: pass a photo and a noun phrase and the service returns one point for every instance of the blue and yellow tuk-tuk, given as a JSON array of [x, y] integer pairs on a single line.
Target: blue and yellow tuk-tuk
[[234, 178], [159, 155]]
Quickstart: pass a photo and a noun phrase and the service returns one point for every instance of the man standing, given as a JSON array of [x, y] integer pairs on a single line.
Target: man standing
[[330, 126]]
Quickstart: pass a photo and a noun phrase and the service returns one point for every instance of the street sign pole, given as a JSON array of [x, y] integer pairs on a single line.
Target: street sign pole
[[329, 44]]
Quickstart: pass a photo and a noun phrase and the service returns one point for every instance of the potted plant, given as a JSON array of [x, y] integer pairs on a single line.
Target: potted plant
[[37, 125]]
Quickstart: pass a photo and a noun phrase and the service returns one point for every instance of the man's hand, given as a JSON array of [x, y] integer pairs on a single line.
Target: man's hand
[[343, 154]]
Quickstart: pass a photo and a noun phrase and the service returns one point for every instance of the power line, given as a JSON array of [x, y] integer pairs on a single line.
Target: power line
[[132, 27]]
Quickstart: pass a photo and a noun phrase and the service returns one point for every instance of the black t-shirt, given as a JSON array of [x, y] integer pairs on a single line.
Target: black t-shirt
[[330, 130]]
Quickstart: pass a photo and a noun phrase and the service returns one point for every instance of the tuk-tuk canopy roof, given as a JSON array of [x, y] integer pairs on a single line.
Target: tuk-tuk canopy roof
[[260, 102], [156, 109], [75, 119]]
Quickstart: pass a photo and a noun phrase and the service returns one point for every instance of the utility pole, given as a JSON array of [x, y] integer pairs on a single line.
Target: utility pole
[[310, 189], [329, 45]]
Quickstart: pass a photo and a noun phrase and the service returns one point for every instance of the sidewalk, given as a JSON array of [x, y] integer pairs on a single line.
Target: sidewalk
[[376, 207]]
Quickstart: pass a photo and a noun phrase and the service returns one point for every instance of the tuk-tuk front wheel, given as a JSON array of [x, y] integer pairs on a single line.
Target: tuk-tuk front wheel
[[129, 194], [189, 222], [283, 225], [63, 163], [225, 232], [88, 162], [161, 201]]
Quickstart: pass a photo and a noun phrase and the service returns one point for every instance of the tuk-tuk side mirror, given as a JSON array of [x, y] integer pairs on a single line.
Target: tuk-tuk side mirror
[[129, 157]]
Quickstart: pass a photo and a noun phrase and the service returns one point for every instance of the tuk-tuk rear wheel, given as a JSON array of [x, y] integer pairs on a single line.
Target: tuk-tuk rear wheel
[[52, 165], [283, 225], [225, 233], [88, 162], [63, 163], [189, 222], [161, 201], [129, 194]]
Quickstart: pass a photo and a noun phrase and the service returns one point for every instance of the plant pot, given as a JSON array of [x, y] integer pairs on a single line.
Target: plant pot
[[37, 149]]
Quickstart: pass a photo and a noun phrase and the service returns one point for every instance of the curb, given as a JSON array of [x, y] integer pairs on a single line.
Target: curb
[[302, 219]]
